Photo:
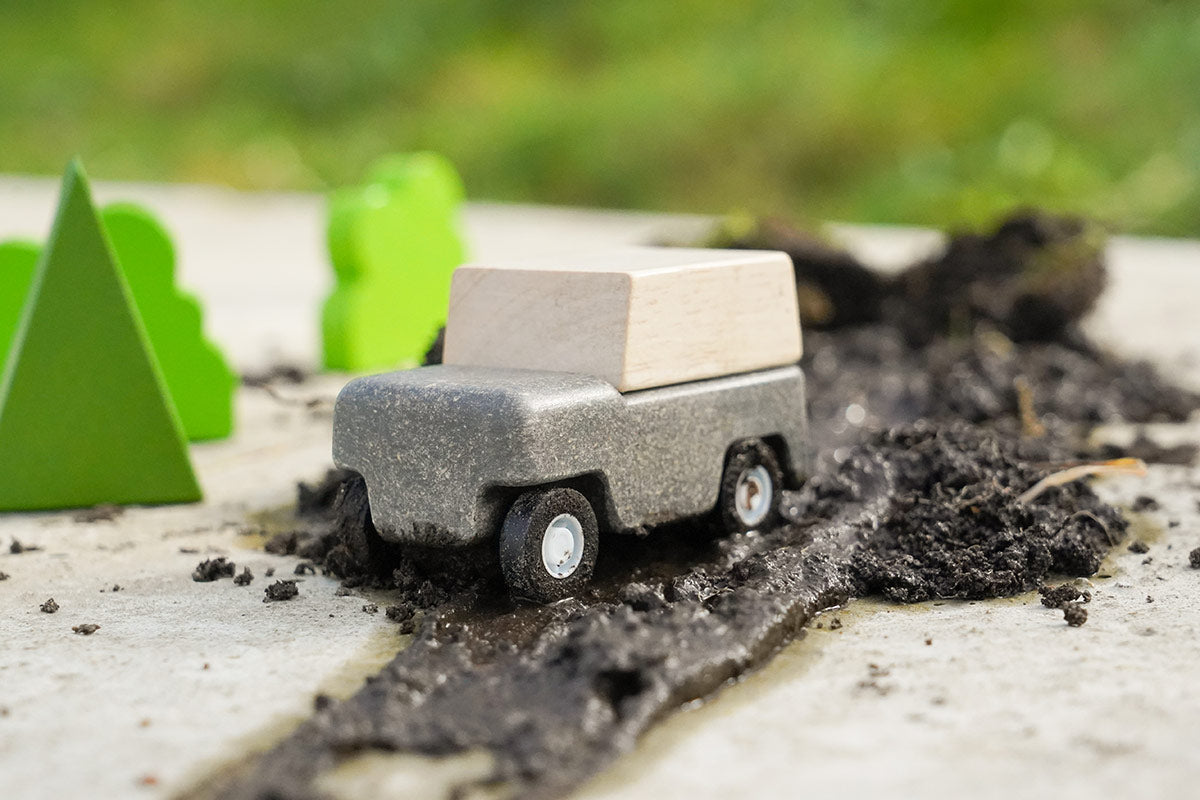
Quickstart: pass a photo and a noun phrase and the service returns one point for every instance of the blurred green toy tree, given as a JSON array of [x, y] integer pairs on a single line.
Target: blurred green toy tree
[[394, 243]]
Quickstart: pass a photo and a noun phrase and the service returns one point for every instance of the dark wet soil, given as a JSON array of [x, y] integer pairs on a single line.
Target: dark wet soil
[[212, 569], [1074, 614], [938, 398], [1059, 596], [280, 590]]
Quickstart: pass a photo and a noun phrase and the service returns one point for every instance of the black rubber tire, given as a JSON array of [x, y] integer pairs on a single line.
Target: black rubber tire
[[743, 456], [360, 548], [521, 544]]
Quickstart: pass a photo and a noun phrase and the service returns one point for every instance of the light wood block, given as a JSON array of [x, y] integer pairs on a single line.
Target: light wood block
[[636, 317]]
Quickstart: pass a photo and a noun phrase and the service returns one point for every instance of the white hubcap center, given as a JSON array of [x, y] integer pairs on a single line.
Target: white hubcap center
[[562, 546], [753, 495]]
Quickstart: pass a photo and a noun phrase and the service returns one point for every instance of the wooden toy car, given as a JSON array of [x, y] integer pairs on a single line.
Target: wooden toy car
[[609, 392]]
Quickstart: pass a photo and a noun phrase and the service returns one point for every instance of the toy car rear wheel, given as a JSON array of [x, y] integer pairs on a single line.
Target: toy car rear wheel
[[548, 544], [750, 487]]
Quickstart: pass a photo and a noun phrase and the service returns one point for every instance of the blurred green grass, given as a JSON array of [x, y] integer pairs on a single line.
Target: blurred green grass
[[942, 113]]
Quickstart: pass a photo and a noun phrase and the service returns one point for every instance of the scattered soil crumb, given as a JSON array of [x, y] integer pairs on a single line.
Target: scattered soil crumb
[[835, 624], [305, 568], [280, 373], [1194, 558], [4, 576], [16, 548], [928, 641], [1145, 503], [343, 591], [212, 569], [189, 550], [1147, 559], [1074, 614], [105, 512], [1060, 596], [297, 543], [86, 629], [281, 590], [1149, 599], [404, 616], [49, 607], [1139, 547], [244, 577], [371, 608], [270, 572]]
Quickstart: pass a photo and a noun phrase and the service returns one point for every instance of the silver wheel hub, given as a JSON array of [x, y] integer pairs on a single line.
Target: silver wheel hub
[[562, 546], [753, 495]]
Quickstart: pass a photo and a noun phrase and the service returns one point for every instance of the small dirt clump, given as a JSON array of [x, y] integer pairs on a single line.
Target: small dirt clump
[[1194, 558], [281, 590], [105, 512], [1059, 596], [280, 373], [4, 576], [1145, 502], [86, 629], [49, 607], [1074, 614], [1139, 547], [16, 548], [244, 577], [212, 569]]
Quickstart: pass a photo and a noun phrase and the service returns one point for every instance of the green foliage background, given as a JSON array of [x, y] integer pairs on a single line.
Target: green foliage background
[[926, 112]]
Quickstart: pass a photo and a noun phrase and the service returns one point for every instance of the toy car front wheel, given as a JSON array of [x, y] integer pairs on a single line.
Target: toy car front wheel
[[548, 544], [750, 487]]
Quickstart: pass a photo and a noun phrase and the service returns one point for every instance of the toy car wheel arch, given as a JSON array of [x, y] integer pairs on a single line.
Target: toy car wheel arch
[[548, 544], [751, 487]]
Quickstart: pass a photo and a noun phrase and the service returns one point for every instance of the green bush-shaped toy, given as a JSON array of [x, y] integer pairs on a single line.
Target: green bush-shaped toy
[[200, 382], [394, 243]]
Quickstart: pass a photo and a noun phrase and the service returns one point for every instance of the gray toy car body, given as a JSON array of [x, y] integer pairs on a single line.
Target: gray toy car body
[[445, 450]]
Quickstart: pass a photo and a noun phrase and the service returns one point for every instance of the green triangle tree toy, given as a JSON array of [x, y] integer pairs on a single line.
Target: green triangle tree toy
[[85, 416], [394, 243]]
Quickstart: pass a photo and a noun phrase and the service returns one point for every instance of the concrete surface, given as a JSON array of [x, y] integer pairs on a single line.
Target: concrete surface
[[185, 678]]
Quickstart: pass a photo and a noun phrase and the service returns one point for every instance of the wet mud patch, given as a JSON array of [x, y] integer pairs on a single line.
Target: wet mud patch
[[934, 417]]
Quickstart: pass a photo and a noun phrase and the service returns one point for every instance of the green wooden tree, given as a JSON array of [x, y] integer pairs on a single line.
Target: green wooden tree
[[85, 416], [394, 243]]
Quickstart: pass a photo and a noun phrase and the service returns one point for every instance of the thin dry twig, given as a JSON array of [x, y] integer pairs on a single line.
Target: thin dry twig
[[1031, 426], [1117, 466]]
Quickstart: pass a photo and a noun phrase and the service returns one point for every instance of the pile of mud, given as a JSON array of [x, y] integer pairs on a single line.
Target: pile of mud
[[942, 396]]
